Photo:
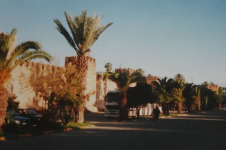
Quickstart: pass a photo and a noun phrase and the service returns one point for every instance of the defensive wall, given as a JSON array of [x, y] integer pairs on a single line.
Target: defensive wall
[[27, 97], [96, 86], [213, 88]]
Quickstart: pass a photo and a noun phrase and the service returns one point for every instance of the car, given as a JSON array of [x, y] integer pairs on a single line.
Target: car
[[19, 120], [36, 119]]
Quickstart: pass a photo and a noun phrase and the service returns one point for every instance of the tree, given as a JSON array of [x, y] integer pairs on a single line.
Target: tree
[[205, 83], [108, 66], [180, 81], [140, 95], [163, 89], [58, 87], [140, 71], [197, 97], [10, 59], [219, 97], [124, 79], [177, 95], [179, 78], [149, 75], [188, 95], [85, 31]]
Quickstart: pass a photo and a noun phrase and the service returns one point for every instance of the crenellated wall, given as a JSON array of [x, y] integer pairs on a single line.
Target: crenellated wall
[[27, 97], [95, 84], [103, 87], [213, 88], [150, 79], [30, 99]]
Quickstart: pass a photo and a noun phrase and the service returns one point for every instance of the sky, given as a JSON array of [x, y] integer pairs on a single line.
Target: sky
[[161, 37]]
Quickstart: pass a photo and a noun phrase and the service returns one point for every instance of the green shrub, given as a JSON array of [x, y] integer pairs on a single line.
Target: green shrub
[[77, 124]]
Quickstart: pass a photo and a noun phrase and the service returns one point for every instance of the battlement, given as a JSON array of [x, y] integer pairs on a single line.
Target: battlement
[[152, 78], [213, 88], [71, 60], [40, 66]]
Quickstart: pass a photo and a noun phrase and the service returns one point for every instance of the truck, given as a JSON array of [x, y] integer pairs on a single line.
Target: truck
[[111, 104], [112, 107]]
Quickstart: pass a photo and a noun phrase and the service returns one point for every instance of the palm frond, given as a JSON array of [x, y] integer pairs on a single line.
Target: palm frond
[[99, 31], [20, 50], [64, 32], [72, 27], [85, 31], [79, 21], [30, 55]]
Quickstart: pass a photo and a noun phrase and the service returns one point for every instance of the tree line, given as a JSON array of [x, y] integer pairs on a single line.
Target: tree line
[[167, 92]]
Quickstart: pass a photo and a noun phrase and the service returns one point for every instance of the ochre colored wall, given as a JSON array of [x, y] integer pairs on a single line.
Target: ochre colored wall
[[103, 87], [95, 85], [213, 88], [26, 97]]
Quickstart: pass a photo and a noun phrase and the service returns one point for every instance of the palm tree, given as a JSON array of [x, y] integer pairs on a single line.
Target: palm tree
[[85, 31], [219, 97], [9, 59], [197, 97], [108, 66], [163, 88], [188, 95], [123, 80], [176, 93], [180, 80], [205, 83]]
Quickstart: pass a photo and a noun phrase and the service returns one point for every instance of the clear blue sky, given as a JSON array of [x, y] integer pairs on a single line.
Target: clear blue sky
[[161, 37]]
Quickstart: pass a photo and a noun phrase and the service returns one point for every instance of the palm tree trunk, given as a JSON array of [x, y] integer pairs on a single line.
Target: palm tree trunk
[[4, 94], [123, 114], [165, 109], [82, 67], [198, 104], [179, 110], [80, 116]]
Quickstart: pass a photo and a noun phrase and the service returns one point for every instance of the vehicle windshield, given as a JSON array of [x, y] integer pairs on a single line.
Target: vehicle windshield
[[31, 112], [13, 113], [112, 97]]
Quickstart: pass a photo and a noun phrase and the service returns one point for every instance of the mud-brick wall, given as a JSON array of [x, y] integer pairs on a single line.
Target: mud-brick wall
[[91, 80], [103, 87], [26, 97], [91, 84]]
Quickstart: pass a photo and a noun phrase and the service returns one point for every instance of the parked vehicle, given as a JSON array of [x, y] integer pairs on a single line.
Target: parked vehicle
[[19, 120], [112, 108], [36, 119], [111, 104]]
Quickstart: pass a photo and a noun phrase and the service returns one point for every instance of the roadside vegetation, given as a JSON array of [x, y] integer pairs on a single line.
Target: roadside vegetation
[[170, 93], [63, 89]]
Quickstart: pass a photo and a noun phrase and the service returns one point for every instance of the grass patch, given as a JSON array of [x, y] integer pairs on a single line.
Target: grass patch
[[77, 124]]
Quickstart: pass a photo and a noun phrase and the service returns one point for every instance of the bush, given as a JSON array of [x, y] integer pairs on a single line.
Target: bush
[[77, 124]]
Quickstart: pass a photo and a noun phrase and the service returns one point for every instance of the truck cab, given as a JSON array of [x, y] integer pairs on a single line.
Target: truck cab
[[111, 104]]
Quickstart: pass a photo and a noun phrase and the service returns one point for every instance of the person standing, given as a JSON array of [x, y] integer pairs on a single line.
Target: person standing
[[156, 113]]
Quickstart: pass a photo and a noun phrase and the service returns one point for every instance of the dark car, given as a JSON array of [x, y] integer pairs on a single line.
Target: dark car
[[19, 120], [36, 119]]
